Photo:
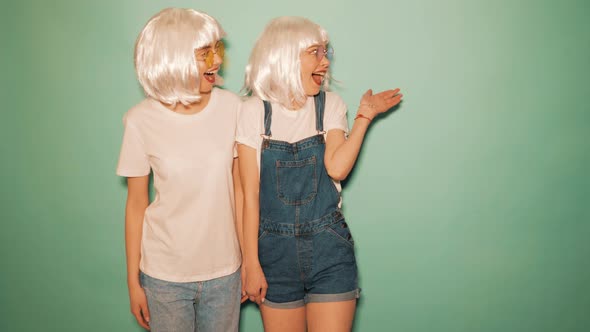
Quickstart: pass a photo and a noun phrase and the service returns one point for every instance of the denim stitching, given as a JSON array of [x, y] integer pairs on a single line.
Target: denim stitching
[[297, 164], [330, 230], [264, 233], [303, 144], [308, 228]]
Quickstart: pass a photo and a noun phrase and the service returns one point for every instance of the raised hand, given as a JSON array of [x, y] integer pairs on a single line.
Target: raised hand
[[374, 104]]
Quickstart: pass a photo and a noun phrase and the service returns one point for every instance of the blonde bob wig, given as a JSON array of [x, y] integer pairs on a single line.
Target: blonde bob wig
[[273, 72], [165, 54]]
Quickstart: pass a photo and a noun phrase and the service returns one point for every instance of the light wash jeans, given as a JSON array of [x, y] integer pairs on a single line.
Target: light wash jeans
[[204, 306]]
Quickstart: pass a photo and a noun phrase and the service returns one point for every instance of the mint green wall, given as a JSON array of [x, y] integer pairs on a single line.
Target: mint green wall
[[469, 205]]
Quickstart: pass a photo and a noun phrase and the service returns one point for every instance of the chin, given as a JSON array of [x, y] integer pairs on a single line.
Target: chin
[[312, 92], [206, 89]]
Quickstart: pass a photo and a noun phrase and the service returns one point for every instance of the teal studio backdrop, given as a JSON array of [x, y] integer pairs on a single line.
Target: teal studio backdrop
[[469, 204]]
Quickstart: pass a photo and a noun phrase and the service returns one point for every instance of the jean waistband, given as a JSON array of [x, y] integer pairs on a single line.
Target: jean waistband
[[306, 228]]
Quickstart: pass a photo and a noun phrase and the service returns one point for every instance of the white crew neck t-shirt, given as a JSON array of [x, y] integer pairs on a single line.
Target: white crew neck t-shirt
[[189, 230], [288, 125]]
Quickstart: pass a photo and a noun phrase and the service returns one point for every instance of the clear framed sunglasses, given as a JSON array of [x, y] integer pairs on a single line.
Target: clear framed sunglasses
[[320, 52]]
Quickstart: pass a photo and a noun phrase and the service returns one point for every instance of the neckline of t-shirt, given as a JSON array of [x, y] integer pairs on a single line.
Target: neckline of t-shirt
[[309, 105], [210, 105]]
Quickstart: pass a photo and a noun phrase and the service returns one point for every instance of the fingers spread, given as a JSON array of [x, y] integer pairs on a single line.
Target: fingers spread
[[395, 100], [389, 93]]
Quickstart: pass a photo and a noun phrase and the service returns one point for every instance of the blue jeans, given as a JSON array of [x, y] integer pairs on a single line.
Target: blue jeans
[[211, 305]]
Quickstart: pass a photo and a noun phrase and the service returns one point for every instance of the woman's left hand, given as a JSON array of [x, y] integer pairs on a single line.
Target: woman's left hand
[[243, 276], [375, 104]]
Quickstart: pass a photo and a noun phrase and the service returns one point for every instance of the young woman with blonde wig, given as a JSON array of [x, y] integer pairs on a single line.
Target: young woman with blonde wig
[[294, 149], [183, 253]]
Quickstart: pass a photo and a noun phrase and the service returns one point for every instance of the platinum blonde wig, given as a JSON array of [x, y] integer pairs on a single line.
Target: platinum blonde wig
[[273, 72], [165, 54]]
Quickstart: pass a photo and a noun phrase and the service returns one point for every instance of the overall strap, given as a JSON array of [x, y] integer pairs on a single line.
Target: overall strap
[[320, 101], [267, 117]]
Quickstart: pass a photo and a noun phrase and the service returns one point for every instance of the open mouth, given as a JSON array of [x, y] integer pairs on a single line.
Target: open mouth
[[318, 77], [210, 75]]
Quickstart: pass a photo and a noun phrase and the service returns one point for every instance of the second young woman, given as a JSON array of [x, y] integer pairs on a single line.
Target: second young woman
[[294, 151]]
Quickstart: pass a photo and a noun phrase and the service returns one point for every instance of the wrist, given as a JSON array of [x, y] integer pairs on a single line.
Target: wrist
[[133, 280], [362, 116], [251, 263], [366, 111], [133, 284]]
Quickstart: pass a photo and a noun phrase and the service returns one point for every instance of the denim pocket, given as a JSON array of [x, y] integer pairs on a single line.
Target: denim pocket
[[297, 181], [341, 231]]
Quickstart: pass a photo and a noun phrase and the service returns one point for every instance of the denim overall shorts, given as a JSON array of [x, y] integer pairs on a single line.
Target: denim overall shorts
[[304, 244]]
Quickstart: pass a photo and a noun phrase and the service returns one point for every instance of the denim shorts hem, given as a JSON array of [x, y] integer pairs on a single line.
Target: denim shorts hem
[[284, 305], [319, 298], [315, 298]]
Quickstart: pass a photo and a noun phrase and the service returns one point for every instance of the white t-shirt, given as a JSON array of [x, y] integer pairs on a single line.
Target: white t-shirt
[[288, 125], [188, 231]]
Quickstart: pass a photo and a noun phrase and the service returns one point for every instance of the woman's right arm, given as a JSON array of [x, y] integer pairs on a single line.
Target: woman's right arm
[[137, 202], [249, 175]]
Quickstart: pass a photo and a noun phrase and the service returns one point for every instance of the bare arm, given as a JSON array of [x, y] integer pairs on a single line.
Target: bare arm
[[250, 178], [239, 201], [137, 202], [341, 153]]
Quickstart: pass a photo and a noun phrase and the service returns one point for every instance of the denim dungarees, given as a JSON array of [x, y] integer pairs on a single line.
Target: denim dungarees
[[304, 245]]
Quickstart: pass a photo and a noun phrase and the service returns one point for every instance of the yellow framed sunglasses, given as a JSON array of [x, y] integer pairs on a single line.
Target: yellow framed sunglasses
[[208, 56]]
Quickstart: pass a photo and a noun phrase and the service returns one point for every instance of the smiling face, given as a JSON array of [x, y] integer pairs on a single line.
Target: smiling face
[[314, 67], [209, 60]]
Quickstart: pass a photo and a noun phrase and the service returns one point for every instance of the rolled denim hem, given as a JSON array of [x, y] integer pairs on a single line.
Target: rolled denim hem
[[319, 298], [284, 305], [315, 298]]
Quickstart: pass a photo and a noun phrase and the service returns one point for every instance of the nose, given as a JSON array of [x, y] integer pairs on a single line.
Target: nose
[[325, 62], [217, 60]]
